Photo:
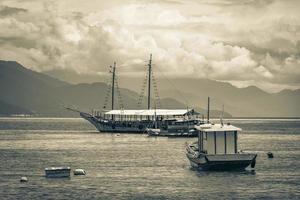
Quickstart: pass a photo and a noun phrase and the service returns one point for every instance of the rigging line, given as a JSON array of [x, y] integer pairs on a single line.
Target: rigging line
[[109, 83], [155, 88], [121, 104], [142, 92], [107, 93], [177, 90]]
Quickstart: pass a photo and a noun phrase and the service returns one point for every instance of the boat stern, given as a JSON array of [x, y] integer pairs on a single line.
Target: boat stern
[[228, 162]]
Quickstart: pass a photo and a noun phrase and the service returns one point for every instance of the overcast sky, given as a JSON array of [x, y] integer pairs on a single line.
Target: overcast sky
[[244, 42]]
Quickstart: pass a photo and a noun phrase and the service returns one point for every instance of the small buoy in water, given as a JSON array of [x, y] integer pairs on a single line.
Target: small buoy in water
[[23, 179], [270, 155], [79, 172]]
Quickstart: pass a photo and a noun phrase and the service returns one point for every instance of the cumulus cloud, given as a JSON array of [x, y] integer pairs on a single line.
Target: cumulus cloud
[[242, 42]]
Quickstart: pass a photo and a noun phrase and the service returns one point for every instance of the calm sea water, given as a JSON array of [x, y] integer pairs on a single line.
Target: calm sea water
[[139, 167]]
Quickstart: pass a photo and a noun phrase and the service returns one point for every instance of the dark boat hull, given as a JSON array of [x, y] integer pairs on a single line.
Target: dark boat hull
[[144, 126], [225, 162], [225, 166], [108, 127], [168, 133]]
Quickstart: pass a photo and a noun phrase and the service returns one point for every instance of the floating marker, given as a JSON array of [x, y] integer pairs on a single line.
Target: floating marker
[[270, 155], [23, 179], [79, 172]]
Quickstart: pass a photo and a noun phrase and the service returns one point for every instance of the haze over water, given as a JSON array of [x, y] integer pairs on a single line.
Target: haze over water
[[130, 166]]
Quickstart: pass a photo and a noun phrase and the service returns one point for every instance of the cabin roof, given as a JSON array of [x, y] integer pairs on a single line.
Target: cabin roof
[[151, 112], [217, 128]]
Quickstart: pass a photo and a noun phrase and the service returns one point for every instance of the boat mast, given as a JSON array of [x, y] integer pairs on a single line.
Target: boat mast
[[149, 81], [113, 86], [208, 101]]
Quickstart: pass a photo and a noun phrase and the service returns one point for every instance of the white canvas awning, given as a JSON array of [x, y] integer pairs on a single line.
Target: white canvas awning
[[151, 112]]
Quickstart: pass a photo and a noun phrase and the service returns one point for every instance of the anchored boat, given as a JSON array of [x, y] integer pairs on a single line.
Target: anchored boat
[[216, 149], [134, 121], [137, 121], [57, 172], [180, 128], [176, 128]]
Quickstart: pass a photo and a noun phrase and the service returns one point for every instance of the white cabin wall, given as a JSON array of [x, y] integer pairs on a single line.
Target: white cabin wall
[[230, 142], [220, 140], [204, 142], [210, 143]]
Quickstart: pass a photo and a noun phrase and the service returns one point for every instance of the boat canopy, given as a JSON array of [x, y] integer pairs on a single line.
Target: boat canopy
[[217, 128], [151, 112]]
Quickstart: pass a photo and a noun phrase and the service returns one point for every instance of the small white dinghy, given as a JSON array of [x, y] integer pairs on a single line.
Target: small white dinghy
[[57, 172], [79, 172], [23, 179]]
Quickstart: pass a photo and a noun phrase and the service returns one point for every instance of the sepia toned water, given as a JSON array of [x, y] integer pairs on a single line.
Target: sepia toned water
[[130, 166]]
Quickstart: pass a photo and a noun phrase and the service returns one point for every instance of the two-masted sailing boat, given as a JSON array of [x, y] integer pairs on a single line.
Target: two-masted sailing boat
[[134, 121]]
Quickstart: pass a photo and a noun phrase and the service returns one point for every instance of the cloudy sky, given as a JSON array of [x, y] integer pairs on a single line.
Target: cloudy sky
[[244, 42]]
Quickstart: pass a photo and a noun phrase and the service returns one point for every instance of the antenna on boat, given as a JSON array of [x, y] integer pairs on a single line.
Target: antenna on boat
[[222, 115], [113, 86], [149, 81], [208, 102]]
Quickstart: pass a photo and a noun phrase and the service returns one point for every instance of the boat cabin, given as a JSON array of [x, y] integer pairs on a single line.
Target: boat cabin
[[217, 138]]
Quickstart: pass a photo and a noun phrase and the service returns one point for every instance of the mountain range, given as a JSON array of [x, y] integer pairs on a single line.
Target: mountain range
[[24, 91]]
